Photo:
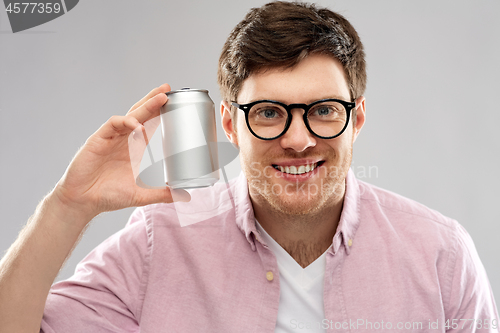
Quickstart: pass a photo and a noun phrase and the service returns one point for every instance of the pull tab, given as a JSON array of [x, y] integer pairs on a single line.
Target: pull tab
[[187, 88]]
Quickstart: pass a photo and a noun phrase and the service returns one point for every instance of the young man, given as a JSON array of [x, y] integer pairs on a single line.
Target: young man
[[296, 243]]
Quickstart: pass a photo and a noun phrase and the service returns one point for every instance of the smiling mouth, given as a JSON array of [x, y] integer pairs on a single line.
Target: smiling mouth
[[297, 169]]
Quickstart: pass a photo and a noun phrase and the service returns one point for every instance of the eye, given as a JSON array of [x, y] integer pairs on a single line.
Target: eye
[[324, 110], [327, 111], [268, 112]]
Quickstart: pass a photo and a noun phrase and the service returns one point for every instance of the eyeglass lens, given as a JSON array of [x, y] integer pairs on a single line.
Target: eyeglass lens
[[268, 120]]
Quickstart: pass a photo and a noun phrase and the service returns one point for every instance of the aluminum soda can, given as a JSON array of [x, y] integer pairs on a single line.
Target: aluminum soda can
[[189, 139]]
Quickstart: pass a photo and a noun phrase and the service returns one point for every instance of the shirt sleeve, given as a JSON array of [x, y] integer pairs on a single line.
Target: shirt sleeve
[[471, 305], [107, 290]]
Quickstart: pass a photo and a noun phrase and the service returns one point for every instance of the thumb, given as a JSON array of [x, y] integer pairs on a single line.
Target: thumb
[[179, 195], [147, 195]]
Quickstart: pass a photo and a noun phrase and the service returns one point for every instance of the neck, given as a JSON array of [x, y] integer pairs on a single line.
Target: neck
[[305, 237]]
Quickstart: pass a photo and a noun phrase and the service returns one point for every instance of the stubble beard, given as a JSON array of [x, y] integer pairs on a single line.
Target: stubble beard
[[301, 198]]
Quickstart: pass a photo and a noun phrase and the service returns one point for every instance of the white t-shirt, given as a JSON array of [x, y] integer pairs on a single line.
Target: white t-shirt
[[301, 307]]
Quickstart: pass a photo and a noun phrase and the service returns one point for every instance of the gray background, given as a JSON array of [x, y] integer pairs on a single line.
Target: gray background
[[432, 112]]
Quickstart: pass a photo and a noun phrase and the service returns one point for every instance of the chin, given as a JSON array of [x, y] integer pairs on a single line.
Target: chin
[[296, 207], [297, 199]]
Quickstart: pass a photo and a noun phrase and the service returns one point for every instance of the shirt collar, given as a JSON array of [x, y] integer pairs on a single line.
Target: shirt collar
[[245, 219], [349, 219], [348, 224]]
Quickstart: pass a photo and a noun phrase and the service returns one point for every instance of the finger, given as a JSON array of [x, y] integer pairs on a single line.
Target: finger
[[150, 109], [151, 126], [118, 125], [137, 142], [158, 90]]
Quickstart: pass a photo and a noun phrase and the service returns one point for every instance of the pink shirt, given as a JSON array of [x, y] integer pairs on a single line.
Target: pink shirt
[[393, 262]]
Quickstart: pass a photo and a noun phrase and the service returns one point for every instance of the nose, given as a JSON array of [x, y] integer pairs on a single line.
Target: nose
[[297, 137]]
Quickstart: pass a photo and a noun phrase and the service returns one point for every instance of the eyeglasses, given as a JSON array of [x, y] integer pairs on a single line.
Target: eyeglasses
[[268, 120]]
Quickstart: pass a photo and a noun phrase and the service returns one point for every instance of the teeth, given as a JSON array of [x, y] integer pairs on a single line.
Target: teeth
[[294, 170]]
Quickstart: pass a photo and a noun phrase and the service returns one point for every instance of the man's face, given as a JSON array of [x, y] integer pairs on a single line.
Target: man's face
[[316, 77]]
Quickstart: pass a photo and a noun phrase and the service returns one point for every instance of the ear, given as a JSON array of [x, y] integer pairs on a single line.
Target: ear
[[227, 123], [360, 116]]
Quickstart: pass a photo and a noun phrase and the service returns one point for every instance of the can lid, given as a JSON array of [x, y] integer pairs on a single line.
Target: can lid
[[186, 90]]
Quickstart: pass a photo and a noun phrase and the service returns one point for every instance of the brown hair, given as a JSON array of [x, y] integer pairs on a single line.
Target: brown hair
[[281, 34]]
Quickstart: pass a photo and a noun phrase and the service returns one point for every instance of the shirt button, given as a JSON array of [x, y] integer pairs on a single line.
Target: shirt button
[[269, 276], [349, 242]]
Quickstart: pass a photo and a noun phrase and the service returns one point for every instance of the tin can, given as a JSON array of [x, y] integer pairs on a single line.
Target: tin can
[[189, 139]]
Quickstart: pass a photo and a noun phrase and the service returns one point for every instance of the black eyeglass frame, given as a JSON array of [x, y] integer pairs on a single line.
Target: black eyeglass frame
[[306, 107]]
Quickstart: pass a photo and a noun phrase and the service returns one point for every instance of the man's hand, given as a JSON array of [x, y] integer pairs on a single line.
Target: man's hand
[[101, 177]]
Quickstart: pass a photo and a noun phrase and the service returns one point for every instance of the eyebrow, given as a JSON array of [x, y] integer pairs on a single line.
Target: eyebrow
[[308, 102]]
